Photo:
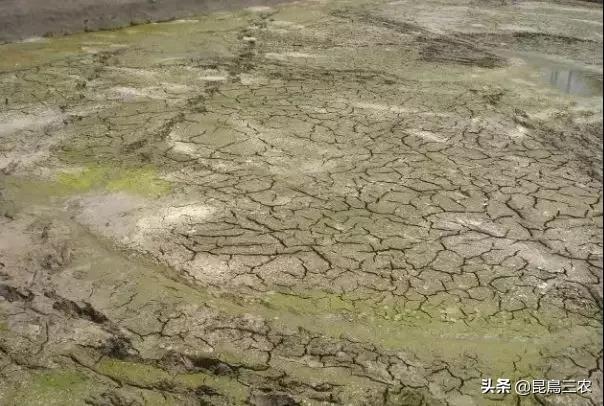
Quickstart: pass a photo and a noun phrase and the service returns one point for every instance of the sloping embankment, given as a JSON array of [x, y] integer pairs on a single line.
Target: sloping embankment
[[21, 19]]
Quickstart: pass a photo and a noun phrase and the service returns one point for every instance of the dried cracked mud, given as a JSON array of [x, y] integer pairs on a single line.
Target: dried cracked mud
[[325, 202]]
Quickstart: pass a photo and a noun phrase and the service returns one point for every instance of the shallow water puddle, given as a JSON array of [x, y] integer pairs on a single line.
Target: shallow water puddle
[[565, 76], [572, 81]]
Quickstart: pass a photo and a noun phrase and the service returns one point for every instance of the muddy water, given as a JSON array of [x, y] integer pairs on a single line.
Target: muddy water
[[572, 81], [560, 74]]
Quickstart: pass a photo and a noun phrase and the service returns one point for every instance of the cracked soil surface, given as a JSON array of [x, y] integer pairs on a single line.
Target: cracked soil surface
[[325, 202]]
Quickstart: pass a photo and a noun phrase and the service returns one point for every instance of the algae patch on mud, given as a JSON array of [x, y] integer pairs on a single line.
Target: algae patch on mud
[[54, 387], [133, 373], [142, 181], [492, 338], [177, 37], [145, 375]]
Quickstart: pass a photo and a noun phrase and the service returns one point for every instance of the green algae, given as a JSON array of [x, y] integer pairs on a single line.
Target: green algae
[[508, 347], [181, 37], [54, 387], [149, 376], [143, 181], [227, 386], [85, 180], [307, 303], [133, 373], [496, 340], [432, 333]]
